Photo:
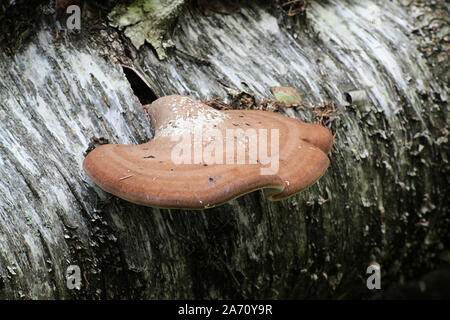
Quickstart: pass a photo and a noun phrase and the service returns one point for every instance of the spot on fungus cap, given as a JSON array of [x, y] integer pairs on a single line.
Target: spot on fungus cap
[[147, 174]]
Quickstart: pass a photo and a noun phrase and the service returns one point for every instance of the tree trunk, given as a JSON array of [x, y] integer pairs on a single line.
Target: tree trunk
[[383, 199]]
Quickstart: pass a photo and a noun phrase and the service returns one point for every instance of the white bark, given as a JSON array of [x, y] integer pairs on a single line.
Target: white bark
[[386, 181]]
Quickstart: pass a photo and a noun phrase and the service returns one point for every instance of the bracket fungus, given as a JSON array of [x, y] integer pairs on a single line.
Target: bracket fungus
[[201, 157]]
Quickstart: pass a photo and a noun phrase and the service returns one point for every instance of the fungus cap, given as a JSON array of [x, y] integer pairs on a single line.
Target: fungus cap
[[146, 174]]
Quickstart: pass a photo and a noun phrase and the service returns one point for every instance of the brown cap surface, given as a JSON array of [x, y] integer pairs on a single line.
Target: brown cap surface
[[147, 175]]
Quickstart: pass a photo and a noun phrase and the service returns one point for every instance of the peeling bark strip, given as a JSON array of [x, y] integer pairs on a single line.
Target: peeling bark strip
[[383, 199]]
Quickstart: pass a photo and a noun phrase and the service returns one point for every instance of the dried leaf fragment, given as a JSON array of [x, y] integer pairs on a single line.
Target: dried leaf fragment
[[288, 95]]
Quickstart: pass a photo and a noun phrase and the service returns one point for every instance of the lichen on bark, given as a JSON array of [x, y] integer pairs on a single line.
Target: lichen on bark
[[147, 21]]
